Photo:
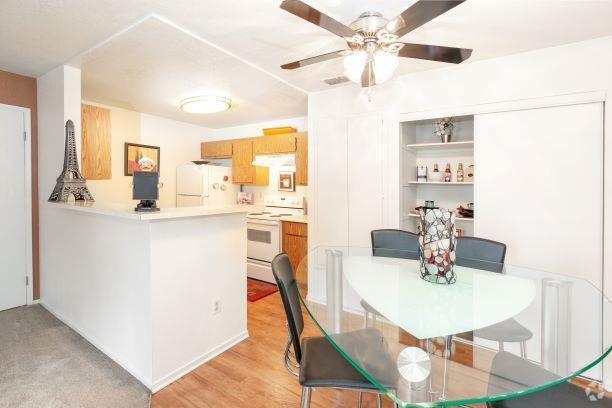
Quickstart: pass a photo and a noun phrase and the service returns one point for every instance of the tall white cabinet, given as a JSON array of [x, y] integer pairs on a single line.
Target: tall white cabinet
[[539, 187], [348, 197]]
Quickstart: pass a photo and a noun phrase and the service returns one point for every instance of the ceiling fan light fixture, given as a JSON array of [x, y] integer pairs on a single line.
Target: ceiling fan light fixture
[[206, 104], [354, 64], [385, 64]]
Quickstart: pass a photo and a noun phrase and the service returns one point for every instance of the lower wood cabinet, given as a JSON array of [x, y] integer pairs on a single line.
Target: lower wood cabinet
[[295, 242]]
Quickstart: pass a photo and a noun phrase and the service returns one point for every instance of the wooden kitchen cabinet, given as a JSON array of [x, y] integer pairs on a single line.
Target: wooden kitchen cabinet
[[295, 241], [275, 144], [96, 143], [243, 171], [301, 159], [221, 149]]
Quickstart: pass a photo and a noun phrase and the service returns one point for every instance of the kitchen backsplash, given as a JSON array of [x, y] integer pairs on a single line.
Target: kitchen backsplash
[[272, 188]]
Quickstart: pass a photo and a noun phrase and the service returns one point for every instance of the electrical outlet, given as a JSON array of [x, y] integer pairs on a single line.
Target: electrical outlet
[[216, 306]]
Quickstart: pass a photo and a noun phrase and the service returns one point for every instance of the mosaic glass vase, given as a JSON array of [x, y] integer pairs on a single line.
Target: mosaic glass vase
[[437, 242]]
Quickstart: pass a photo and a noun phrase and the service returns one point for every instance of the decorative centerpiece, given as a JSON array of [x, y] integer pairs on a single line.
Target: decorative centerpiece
[[444, 129], [437, 242], [70, 182]]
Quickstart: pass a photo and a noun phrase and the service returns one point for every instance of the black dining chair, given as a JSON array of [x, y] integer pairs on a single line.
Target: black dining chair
[[484, 254], [390, 243], [317, 362], [510, 371]]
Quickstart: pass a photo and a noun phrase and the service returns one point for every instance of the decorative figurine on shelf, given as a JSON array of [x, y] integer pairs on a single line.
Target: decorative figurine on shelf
[[448, 174], [422, 174], [444, 129], [70, 181], [437, 243], [460, 173]]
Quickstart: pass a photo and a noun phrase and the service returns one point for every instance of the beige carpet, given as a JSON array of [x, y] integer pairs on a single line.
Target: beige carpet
[[44, 363]]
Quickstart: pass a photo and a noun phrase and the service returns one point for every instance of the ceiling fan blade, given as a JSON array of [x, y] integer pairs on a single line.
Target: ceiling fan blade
[[435, 53], [303, 10], [367, 76], [313, 60], [418, 14]]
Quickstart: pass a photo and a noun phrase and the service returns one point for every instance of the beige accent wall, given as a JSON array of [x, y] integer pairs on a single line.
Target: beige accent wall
[[125, 127]]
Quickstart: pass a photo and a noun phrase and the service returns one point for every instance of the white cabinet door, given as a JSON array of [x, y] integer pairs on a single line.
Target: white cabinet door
[[538, 187], [331, 206], [365, 178], [12, 207]]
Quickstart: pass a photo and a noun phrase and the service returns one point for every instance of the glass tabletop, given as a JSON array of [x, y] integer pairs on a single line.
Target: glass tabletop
[[500, 331]]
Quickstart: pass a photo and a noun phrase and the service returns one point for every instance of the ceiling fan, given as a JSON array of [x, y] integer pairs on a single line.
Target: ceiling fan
[[373, 47]]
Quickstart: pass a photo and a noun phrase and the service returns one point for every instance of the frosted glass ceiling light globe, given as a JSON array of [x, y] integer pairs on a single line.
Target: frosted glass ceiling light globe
[[385, 65], [354, 64], [206, 104]]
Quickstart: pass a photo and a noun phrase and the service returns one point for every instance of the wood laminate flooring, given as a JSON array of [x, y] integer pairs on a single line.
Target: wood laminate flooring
[[252, 374]]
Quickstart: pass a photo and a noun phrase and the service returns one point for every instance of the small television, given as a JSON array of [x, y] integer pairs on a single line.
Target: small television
[[146, 189]]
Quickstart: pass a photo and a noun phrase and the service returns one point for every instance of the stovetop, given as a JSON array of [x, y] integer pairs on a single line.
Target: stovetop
[[268, 215]]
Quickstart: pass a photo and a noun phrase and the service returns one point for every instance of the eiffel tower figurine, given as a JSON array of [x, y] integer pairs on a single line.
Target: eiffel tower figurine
[[70, 182]]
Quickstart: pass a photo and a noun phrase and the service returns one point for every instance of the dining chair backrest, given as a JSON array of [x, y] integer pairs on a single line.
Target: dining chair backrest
[[287, 286], [394, 243], [480, 253]]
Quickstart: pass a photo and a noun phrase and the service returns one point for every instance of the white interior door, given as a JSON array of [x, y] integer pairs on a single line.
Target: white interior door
[[538, 186], [539, 189], [12, 209], [331, 204]]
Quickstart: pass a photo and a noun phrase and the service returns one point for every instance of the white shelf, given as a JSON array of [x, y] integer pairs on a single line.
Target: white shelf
[[469, 144], [457, 217], [440, 183]]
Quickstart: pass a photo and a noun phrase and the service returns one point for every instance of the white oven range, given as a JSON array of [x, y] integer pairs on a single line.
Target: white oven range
[[264, 233]]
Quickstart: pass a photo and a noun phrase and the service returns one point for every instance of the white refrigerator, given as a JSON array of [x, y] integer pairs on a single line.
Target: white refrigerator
[[204, 185]]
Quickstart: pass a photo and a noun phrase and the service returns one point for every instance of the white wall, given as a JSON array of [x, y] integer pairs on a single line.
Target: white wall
[[253, 130], [59, 99], [179, 143], [572, 68]]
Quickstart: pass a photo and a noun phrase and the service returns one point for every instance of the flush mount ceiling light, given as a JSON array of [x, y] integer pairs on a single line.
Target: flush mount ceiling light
[[206, 104]]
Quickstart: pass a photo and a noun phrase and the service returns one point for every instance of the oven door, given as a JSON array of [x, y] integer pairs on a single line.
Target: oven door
[[263, 240]]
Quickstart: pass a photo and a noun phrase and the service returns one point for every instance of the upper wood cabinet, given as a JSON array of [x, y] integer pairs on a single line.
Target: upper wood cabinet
[[221, 149], [95, 143], [274, 144], [243, 152], [243, 171], [301, 159]]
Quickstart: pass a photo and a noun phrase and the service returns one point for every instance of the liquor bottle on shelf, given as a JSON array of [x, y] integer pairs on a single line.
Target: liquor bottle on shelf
[[460, 173], [447, 173]]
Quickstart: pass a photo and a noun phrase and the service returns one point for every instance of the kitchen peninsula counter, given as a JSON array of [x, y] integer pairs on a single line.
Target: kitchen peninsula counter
[[160, 293], [127, 211]]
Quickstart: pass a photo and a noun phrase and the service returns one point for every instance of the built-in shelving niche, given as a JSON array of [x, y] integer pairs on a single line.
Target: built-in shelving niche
[[421, 147]]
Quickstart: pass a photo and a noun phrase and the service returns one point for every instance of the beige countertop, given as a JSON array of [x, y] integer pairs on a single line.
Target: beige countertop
[[127, 211], [296, 218]]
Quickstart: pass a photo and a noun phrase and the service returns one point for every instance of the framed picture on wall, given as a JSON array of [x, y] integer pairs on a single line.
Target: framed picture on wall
[[286, 181], [141, 158]]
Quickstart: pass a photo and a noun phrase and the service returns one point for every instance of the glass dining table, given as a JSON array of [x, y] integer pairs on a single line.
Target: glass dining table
[[489, 336]]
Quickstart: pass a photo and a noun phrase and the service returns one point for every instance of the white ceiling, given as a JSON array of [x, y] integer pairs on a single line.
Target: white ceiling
[[153, 66], [37, 35]]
